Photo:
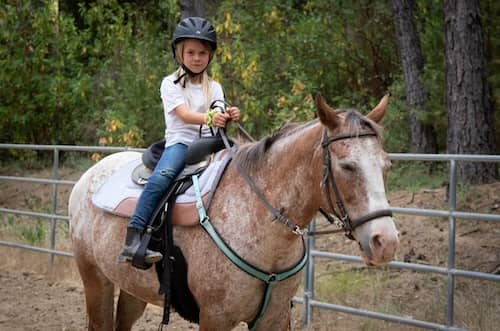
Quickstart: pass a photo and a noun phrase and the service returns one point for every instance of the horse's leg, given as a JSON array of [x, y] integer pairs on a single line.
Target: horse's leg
[[215, 321], [128, 311], [277, 317], [99, 292], [220, 322]]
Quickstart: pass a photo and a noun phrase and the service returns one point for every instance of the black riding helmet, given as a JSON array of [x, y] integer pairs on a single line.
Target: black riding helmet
[[194, 28]]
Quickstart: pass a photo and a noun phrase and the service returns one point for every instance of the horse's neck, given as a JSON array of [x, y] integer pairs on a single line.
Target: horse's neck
[[290, 178], [291, 175]]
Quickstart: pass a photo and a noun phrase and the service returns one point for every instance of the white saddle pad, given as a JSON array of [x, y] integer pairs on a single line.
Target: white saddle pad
[[119, 194]]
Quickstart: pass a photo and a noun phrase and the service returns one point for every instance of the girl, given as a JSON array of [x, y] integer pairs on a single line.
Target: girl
[[187, 95]]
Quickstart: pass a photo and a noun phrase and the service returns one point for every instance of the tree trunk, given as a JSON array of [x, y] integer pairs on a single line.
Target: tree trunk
[[54, 9], [199, 8], [423, 136], [470, 115]]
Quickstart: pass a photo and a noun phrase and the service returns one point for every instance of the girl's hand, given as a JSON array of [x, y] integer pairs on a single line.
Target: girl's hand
[[220, 119], [234, 113]]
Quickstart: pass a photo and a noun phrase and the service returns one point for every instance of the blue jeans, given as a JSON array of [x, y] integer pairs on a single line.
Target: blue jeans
[[171, 163]]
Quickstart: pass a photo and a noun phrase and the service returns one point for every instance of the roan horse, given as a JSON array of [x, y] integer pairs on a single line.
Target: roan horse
[[294, 170]]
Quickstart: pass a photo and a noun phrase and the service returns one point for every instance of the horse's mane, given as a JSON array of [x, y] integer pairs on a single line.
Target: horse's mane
[[251, 154]]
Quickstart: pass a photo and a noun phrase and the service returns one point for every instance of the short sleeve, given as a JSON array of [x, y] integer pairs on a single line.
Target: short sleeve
[[217, 92], [171, 95]]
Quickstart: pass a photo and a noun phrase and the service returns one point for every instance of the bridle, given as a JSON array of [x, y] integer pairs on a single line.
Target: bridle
[[346, 224], [343, 219]]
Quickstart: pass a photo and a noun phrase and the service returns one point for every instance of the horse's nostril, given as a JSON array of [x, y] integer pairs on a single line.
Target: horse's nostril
[[377, 242]]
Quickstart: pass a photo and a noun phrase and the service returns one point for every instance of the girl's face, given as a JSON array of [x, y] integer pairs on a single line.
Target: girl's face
[[195, 55]]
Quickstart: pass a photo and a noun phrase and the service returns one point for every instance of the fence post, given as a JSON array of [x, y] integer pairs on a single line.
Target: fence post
[[53, 221], [452, 204], [309, 277]]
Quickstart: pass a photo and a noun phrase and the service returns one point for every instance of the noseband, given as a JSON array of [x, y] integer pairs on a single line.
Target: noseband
[[347, 224]]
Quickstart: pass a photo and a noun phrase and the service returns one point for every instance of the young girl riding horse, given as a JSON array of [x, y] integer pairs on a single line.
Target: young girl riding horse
[[187, 95]]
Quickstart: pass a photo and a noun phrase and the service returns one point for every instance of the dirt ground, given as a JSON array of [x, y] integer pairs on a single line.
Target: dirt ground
[[32, 298], [33, 301]]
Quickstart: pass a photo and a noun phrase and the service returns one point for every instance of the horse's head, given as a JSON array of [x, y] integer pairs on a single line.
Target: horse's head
[[354, 173]]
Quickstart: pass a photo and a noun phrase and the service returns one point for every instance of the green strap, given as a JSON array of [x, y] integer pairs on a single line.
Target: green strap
[[263, 306], [199, 202], [269, 278]]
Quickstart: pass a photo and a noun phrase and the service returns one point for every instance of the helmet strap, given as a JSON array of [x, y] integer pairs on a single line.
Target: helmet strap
[[188, 73]]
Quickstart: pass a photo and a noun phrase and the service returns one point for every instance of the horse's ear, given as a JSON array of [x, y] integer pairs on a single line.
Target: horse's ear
[[326, 114], [378, 112]]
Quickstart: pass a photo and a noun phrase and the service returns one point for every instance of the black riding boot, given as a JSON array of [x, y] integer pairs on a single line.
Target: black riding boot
[[132, 243]]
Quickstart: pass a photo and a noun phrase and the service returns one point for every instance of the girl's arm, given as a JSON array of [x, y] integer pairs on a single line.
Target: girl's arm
[[190, 117]]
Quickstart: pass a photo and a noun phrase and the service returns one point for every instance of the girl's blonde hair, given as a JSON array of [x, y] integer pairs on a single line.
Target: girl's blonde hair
[[205, 78]]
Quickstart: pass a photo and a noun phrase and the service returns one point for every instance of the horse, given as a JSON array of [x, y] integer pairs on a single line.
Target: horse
[[335, 162]]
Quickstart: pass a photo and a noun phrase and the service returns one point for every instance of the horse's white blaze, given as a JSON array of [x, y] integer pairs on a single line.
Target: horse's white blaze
[[379, 236], [372, 165]]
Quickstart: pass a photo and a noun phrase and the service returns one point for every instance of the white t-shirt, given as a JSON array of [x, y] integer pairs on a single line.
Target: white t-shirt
[[173, 95]]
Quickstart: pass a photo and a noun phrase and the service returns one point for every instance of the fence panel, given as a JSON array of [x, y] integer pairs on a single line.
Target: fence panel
[[308, 296]]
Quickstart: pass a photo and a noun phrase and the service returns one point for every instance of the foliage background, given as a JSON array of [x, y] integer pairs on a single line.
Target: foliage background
[[88, 72]]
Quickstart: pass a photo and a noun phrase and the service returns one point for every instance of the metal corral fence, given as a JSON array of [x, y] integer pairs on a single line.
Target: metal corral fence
[[308, 297]]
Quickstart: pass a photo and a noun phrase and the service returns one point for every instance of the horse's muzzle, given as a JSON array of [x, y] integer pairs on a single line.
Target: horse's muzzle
[[380, 245]]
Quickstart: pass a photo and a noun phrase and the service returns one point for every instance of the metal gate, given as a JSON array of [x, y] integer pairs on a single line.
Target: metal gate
[[308, 298]]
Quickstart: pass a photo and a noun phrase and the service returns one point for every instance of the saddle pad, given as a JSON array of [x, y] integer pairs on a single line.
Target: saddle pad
[[119, 194]]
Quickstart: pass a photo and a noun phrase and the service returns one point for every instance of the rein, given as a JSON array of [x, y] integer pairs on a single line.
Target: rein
[[277, 214], [342, 218], [270, 279]]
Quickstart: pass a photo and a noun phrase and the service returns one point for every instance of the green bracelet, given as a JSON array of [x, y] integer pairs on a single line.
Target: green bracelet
[[209, 117]]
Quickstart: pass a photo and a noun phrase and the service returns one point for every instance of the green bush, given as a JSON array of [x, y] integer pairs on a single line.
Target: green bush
[[89, 73], [64, 83], [43, 83]]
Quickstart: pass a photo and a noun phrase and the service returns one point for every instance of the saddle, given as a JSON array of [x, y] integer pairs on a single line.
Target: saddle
[[121, 191], [178, 202]]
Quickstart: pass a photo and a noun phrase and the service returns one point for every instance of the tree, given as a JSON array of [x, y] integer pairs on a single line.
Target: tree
[[190, 8], [422, 134], [470, 114]]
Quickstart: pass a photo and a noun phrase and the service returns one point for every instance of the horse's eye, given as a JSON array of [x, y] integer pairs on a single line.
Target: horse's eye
[[347, 166]]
